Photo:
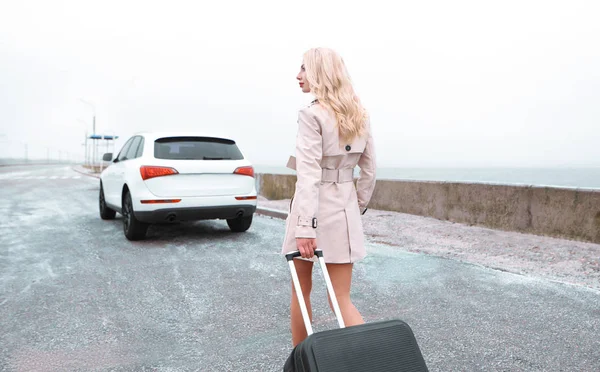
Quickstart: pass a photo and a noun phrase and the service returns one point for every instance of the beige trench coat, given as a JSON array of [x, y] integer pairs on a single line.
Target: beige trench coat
[[326, 204]]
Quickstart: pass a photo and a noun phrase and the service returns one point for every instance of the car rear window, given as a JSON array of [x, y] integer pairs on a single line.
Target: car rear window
[[196, 148]]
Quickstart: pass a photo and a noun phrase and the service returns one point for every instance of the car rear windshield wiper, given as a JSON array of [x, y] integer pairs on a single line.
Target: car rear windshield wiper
[[209, 158]]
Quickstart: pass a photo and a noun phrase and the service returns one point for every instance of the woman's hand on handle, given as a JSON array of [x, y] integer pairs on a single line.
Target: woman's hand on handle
[[306, 246]]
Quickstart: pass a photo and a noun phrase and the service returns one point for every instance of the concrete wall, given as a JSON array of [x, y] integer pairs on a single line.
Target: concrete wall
[[559, 212]]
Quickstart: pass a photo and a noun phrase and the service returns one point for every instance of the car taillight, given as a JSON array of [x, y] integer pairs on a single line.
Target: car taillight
[[161, 201], [148, 172], [245, 197], [245, 171]]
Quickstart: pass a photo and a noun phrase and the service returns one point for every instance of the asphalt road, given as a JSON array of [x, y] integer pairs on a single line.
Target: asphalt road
[[75, 295]]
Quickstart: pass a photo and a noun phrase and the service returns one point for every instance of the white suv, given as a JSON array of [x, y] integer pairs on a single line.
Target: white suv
[[169, 177]]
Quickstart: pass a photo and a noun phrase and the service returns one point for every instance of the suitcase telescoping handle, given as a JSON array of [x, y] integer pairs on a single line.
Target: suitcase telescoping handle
[[336, 308]]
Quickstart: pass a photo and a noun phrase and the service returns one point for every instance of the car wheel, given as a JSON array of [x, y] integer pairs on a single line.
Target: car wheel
[[240, 224], [105, 212], [132, 227]]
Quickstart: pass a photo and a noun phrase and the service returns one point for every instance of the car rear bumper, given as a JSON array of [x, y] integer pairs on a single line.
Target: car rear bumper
[[195, 213]]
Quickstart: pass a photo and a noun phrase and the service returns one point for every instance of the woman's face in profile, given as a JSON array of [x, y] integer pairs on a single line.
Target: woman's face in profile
[[302, 80]]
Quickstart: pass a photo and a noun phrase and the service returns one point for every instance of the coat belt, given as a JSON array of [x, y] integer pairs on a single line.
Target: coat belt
[[337, 175], [329, 175]]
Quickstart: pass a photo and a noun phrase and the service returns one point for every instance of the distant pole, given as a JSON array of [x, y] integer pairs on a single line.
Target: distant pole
[[94, 150], [85, 143], [86, 149], [94, 132], [82, 158], [101, 160]]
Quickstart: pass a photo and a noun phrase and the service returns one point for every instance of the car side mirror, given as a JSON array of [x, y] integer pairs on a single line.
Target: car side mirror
[[107, 156]]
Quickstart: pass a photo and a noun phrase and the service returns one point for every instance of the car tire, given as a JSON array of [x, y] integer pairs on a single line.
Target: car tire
[[240, 224], [132, 227], [105, 212]]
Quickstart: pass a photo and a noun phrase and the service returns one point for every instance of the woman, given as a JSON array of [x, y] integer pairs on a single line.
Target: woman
[[334, 136]]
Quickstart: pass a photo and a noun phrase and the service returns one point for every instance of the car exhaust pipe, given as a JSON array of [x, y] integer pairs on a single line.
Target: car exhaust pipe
[[240, 213], [171, 217]]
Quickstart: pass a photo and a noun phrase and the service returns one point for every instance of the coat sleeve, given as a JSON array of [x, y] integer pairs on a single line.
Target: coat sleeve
[[309, 150], [366, 180]]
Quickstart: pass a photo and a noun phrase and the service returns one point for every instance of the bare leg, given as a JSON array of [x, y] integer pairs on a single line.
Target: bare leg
[[341, 278], [304, 270]]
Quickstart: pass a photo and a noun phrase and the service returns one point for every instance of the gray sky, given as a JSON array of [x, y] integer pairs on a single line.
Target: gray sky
[[447, 83]]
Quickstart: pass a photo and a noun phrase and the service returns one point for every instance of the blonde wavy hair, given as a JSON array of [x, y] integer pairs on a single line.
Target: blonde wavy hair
[[331, 85]]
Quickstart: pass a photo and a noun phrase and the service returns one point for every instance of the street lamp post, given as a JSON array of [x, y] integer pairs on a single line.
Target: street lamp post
[[91, 104], [85, 157]]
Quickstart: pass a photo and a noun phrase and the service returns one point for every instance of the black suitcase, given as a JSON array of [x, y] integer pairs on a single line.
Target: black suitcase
[[371, 347]]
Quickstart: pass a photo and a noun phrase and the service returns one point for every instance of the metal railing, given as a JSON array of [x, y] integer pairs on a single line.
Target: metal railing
[[15, 152]]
